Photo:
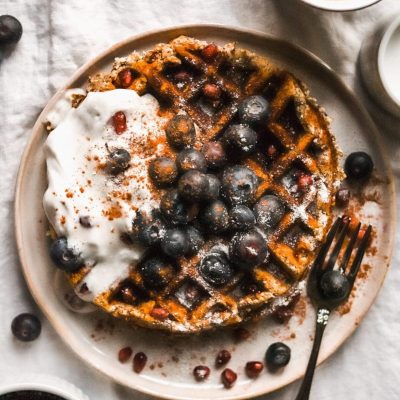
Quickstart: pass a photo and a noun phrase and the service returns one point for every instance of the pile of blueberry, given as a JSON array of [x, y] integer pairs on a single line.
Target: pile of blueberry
[[208, 193]]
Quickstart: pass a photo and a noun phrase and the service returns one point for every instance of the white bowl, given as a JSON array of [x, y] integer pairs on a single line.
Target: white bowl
[[379, 57], [42, 383], [340, 5]]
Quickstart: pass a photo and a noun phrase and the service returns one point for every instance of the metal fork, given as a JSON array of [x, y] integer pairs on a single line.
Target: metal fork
[[323, 304]]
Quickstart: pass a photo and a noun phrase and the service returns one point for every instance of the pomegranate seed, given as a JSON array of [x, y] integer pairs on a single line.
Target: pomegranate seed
[[346, 219], [125, 78], [209, 52], [342, 197], [139, 362], [128, 295], [124, 354], [253, 368], [271, 151], [159, 313], [222, 358], [201, 372], [361, 234], [212, 91], [119, 120], [241, 334], [182, 76], [228, 378], [304, 182]]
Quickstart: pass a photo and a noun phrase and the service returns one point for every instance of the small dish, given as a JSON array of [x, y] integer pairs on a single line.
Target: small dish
[[50, 385], [340, 5], [379, 65]]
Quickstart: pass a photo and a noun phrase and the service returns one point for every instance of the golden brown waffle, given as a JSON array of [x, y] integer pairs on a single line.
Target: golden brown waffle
[[299, 131]]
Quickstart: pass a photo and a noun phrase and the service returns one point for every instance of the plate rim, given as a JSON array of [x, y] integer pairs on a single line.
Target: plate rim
[[220, 28]]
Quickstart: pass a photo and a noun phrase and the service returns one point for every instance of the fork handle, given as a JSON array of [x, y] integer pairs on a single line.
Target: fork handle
[[322, 320]]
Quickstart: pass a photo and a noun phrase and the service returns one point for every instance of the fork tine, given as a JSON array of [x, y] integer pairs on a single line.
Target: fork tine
[[359, 256], [336, 250], [325, 247], [349, 249]]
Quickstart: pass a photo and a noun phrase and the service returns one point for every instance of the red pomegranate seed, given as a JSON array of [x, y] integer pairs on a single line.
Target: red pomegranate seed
[[210, 52], [125, 78], [119, 121], [271, 151], [222, 358], [305, 181], [212, 91], [361, 234], [124, 354], [253, 368], [228, 377], [139, 362], [159, 313], [201, 372], [182, 76]]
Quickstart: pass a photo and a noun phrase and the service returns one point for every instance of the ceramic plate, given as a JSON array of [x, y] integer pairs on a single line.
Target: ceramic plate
[[168, 374]]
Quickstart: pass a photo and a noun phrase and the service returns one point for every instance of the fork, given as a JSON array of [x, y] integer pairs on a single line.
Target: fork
[[323, 302]]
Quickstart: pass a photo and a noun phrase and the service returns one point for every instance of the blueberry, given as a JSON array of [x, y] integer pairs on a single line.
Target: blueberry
[[214, 154], [152, 232], [156, 273], [163, 171], [214, 187], [214, 217], [26, 327], [277, 356], [193, 186], [239, 185], [181, 132], [247, 249], [334, 285], [254, 110], [269, 211], [175, 210], [215, 269], [66, 258], [189, 159], [358, 165], [241, 218], [240, 140], [195, 238], [10, 30], [175, 242], [118, 161]]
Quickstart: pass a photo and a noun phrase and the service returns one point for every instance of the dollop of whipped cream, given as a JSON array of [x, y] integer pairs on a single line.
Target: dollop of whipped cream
[[79, 185]]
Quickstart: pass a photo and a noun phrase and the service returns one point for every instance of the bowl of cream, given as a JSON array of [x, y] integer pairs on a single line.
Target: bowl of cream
[[380, 65]]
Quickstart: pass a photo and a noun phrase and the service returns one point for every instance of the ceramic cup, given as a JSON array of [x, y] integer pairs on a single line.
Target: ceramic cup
[[380, 65], [41, 383], [340, 5]]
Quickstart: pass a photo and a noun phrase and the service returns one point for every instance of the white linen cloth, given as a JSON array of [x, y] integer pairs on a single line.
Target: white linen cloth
[[59, 36]]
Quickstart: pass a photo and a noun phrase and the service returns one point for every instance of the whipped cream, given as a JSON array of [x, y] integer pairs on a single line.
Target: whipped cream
[[79, 185]]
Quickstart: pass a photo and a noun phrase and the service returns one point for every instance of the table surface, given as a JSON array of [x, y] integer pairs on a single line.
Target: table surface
[[61, 35]]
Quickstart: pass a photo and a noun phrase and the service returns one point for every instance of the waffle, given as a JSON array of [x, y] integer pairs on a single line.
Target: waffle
[[299, 131]]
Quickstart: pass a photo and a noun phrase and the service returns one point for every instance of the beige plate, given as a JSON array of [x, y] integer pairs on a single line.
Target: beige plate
[[174, 358]]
